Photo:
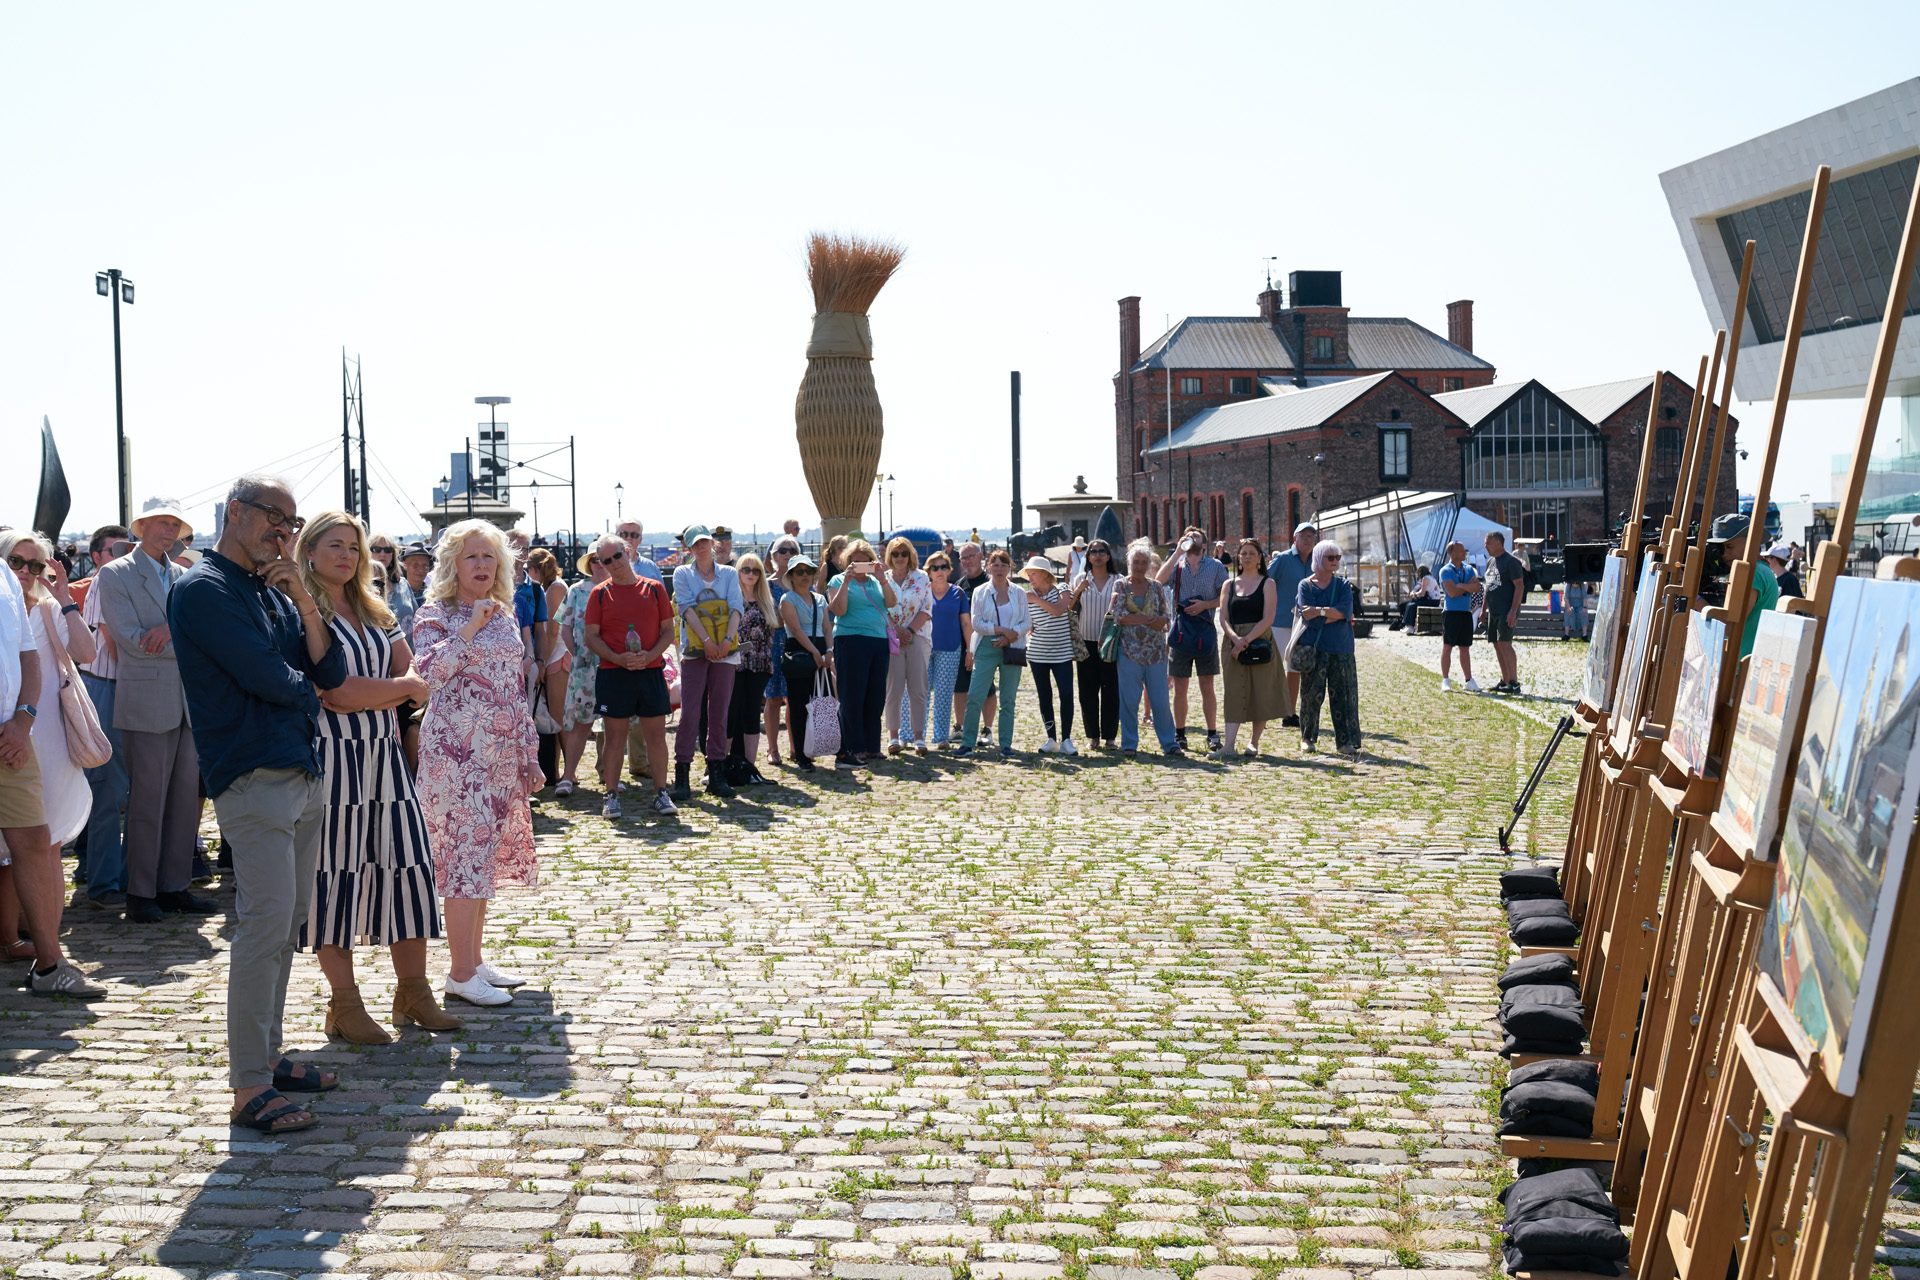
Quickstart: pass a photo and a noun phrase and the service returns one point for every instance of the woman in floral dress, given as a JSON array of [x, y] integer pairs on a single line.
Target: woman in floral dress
[[909, 617], [576, 712], [478, 749]]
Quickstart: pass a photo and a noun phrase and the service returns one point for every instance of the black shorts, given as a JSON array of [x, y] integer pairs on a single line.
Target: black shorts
[[1456, 628], [620, 694]]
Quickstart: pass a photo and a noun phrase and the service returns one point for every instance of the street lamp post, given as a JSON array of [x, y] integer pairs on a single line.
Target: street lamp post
[[111, 284], [619, 494], [493, 404], [534, 486]]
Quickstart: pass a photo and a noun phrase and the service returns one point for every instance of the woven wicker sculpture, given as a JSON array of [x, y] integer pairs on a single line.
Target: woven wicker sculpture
[[837, 413]]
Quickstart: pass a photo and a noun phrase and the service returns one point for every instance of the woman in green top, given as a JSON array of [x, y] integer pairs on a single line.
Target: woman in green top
[[859, 600]]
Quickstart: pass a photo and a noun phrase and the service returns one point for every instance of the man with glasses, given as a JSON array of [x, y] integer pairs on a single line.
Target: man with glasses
[[254, 654], [628, 627], [150, 711], [643, 566], [106, 860]]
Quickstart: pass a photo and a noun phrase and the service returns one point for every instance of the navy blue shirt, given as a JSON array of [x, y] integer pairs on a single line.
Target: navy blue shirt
[[251, 690], [1322, 634]]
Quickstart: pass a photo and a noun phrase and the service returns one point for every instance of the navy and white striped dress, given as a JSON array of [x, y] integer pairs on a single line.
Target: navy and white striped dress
[[373, 882]]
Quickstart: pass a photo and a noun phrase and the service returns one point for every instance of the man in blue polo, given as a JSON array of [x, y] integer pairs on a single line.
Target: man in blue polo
[[1458, 582], [1289, 569]]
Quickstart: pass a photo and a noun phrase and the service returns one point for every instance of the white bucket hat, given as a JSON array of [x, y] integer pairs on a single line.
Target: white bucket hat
[[161, 507], [1042, 564]]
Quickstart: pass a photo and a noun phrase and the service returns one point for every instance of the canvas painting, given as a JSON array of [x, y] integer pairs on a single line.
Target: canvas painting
[[1699, 681], [1843, 844], [1606, 630], [1633, 662], [1756, 769]]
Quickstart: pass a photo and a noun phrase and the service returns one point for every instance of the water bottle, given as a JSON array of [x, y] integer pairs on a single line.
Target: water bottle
[[633, 639]]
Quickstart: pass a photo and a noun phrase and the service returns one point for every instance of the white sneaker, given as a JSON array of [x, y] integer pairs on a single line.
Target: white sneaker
[[1067, 748], [611, 809], [663, 804], [1446, 685], [1049, 747], [1471, 686], [65, 980], [498, 977], [475, 990], [920, 747]]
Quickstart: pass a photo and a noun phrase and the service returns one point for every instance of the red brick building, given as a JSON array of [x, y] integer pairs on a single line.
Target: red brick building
[[1210, 362]]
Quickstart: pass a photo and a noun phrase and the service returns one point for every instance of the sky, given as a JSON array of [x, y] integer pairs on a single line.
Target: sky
[[599, 210]]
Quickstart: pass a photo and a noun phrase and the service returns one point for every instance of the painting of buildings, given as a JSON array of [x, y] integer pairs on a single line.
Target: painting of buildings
[[1601, 654], [1634, 661], [1843, 844], [1692, 725], [1769, 708]]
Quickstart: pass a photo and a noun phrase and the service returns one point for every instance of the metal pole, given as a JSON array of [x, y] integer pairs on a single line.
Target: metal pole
[[573, 505], [1017, 522], [469, 485], [346, 437], [360, 412], [119, 409]]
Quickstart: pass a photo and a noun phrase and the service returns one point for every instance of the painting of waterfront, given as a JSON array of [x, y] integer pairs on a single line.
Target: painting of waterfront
[[1843, 844], [1606, 633], [1633, 662], [1769, 708], [1699, 683]]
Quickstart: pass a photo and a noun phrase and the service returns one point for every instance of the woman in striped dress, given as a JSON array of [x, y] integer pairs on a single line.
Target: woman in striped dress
[[374, 879], [1050, 653]]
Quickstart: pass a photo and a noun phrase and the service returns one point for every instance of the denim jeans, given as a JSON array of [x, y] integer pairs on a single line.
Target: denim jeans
[[1134, 677], [986, 661], [106, 848]]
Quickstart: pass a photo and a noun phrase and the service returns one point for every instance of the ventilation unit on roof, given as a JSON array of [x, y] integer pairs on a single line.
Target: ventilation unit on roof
[[1314, 288]]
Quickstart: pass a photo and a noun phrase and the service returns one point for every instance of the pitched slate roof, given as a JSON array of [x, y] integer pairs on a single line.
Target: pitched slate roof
[[1269, 415], [1476, 404], [1601, 401], [1248, 342]]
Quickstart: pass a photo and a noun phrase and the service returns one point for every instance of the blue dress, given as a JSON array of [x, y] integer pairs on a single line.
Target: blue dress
[[777, 686]]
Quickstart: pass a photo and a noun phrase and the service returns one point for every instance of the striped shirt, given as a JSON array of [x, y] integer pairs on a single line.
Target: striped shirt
[[1095, 603], [1052, 637]]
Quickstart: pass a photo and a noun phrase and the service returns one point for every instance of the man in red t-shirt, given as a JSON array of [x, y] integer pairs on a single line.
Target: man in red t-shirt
[[629, 626]]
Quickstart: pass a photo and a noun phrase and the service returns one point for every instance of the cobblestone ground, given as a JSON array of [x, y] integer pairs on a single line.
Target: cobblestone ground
[[1006, 1021], [1552, 672]]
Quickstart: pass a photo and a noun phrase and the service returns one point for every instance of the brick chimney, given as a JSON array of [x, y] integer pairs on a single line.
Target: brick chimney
[[1129, 333], [1269, 300], [1460, 323]]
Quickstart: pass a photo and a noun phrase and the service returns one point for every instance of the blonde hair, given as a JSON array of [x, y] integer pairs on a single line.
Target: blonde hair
[[763, 594], [10, 541], [444, 585], [901, 544], [833, 557], [361, 597], [855, 547]]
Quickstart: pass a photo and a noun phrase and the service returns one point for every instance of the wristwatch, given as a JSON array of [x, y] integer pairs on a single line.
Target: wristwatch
[[33, 712]]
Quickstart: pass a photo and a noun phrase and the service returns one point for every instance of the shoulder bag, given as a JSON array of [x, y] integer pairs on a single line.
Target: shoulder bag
[[1014, 655], [1301, 658], [823, 717], [87, 744], [1110, 633], [1191, 636]]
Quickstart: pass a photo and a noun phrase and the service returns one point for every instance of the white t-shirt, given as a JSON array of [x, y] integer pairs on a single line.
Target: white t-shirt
[[15, 637]]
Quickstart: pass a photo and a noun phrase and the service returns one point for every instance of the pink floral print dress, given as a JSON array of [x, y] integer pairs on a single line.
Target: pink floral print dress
[[475, 739]]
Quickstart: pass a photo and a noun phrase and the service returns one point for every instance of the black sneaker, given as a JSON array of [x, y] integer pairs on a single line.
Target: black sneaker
[[143, 911], [185, 900], [111, 900], [1180, 736], [1290, 722], [1213, 739], [962, 752]]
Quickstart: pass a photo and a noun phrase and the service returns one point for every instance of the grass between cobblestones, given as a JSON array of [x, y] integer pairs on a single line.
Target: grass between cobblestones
[[995, 1021]]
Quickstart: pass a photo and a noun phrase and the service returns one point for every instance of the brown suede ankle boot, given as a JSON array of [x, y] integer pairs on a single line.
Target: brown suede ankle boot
[[347, 1018], [413, 1002]]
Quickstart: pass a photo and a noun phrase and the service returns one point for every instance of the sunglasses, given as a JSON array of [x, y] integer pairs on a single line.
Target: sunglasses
[[939, 568], [276, 517], [615, 558], [746, 572], [384, 551], [35, 567], [631, 537]]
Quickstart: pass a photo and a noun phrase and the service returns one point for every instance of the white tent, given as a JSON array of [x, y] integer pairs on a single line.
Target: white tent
[[1472, 528]]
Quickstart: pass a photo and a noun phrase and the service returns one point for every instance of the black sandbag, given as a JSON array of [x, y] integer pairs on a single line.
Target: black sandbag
[[1563, 994], [1547, 1097], [1542, 1022], [1579, 1185], [1532, 1044], [1528, 970], [1517, 881], [1595, 1237], [1516, 1261], [1544, 931], [1547, 1126], [1538, 1166], [1583, 1075], [1536, 907]]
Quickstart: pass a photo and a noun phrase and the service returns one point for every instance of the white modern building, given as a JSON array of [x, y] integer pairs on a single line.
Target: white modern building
[[1758, 191]]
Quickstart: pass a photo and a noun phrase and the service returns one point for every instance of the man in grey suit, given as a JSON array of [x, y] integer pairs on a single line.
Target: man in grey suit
[[150, 711]]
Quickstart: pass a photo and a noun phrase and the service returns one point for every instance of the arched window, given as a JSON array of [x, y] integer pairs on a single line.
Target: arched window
[[1293, 510]]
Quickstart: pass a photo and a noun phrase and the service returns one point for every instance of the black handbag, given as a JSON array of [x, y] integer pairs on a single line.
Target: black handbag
[[1258, 652]]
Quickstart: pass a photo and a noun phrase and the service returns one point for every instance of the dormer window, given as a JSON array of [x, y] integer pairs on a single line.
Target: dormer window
[[1323, 346]]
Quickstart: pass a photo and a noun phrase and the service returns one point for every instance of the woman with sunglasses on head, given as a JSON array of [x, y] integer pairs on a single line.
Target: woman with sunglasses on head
[[1253, 692], [374, 880], [1326, 604], [746, 713], [778, 558], [909, 617], [575, 712], [808, 656], [1092, 599], [948, 636]]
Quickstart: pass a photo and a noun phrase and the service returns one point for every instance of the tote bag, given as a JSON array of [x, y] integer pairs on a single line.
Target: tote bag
[[823, 717], [87, 744]]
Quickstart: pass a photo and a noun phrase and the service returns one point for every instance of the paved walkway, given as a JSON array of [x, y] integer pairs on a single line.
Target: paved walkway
[[1000, 1021]]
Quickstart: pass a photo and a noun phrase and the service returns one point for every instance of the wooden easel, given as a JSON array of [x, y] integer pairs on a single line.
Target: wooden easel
[[1718, 885]]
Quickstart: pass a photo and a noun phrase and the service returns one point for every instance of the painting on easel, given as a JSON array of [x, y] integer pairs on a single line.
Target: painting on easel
[[1633, 663], [1843, 845], [1699, 683], [1606, 633], [1769, 703]]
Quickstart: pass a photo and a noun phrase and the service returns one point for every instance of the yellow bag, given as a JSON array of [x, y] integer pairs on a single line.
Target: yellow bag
[[712, 609]]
